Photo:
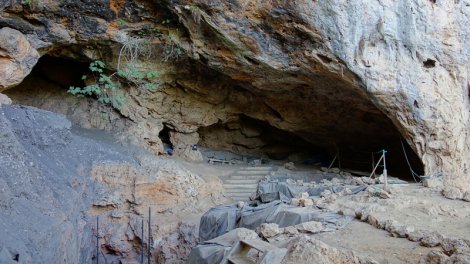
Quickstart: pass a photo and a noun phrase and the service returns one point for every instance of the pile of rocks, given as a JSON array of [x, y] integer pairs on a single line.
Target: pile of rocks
[[302, 199], [270, 230], [327, 196]]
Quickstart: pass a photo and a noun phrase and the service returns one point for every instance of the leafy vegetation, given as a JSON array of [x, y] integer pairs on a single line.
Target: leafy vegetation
[[31, 3], [139, 46], [106, 87]]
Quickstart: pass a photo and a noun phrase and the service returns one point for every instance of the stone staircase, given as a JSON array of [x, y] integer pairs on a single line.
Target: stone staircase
[[243, 183]]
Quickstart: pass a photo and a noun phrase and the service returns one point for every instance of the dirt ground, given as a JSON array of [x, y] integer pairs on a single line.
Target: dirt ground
[[367, 240]]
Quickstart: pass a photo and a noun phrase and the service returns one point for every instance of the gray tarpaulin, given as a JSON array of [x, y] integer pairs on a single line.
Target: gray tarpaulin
[[208, 253], [289, 190], [286, 215], [213, 251], [218, 221], [221, 220]]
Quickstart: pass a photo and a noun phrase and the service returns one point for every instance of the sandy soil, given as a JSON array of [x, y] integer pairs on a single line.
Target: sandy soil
[[378, 244]]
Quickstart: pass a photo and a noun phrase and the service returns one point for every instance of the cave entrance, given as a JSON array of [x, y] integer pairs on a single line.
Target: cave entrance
[[401, 161], [248, 136], [313, 123], [48, 82], [356, 153]]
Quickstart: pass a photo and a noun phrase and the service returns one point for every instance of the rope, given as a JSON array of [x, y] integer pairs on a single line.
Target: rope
[[414, 174]]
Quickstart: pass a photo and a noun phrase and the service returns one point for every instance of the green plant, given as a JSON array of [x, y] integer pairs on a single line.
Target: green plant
[[106, 87], [31, 3], [121, 22], [166, 21], [172, 50], [141, 45]]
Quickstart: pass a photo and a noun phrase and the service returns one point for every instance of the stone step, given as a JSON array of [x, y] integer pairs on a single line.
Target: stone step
[[242, 192], [244, 177], [244, 199], [241, 181], [269, 168], [241, 186], [238, 194], [245, 194], [252, 173]]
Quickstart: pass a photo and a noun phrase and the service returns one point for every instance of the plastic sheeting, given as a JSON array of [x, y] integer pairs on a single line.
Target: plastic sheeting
[[287, 215], [218, 221], [221, 220], [208, 253], [214, 251], [289, 190]]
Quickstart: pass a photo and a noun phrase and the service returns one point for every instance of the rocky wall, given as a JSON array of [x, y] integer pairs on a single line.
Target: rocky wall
[[334, 73]]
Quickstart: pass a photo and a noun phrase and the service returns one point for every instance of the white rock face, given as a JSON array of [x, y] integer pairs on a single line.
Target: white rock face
[[413, 59]]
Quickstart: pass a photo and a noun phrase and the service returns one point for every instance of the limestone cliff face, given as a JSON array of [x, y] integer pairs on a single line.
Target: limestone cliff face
[[334, 73]]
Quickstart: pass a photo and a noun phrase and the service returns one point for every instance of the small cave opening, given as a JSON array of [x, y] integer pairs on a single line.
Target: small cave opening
[[49, 80], [164, 135], [429, 63]]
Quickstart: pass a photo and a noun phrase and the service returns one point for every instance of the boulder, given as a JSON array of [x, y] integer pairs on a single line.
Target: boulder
[[289, 165], [291, 230], [431, 240], [435, 256], [5, 100], [306, 202], [17, 57], [307, 249], [433, 183], [310, 227], [295, 202], [466, 197], [453, 193], [302, 195], [268, 230]]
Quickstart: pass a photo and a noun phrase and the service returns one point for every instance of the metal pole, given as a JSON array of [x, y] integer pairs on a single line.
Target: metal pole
[[376, 165], [331, 164], [339, 160], [97, 239], [373, 162], [150, 237], [385, 172], [142, 244]]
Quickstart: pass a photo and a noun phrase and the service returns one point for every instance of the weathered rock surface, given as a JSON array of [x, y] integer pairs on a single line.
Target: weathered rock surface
[[55, 183], [268, 230], [5, 100], [17, 57], [44, 194], [377, 71], [304, 249]]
